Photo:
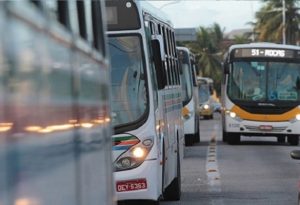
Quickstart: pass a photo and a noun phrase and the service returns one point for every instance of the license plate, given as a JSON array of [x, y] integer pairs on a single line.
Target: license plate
[[131, 185], [266, 127]]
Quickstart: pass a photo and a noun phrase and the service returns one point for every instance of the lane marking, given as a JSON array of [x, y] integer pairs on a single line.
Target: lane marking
[[212, 171]]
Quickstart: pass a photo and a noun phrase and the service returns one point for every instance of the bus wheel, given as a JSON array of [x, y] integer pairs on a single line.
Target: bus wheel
[[233, 138], [151, 202], [281, 139], [197, 134], [188, 139], [224, 136], [293, 140], [173, 191]]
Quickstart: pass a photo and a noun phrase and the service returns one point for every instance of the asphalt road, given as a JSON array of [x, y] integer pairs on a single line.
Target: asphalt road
[[258, 171]]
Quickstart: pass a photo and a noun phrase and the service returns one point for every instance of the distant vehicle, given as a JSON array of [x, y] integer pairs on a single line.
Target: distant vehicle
[[146, 102], [55, 130], [190, 95], [205, 89], [261, 92]]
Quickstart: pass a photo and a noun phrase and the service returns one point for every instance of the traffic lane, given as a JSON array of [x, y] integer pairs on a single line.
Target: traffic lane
[[194, 180], [257, 171], [266, 173]]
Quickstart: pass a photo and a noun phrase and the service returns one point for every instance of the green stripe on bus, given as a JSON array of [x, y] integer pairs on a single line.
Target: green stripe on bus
[[118, 139]]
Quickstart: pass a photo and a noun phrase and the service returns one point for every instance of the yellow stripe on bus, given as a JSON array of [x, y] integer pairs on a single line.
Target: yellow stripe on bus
[[266, 117]]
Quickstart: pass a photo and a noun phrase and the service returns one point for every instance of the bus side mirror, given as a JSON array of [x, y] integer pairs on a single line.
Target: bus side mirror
[[159, 58], [295, 154]]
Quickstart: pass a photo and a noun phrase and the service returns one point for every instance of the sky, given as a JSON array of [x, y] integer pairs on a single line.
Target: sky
[[229, 14]]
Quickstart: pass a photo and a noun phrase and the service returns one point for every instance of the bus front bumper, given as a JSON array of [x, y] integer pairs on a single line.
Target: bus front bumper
[[246, 127], [139, 183]]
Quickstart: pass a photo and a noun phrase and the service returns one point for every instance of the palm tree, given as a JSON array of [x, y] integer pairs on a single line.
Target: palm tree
[[269, 23], [240, 39], [208, 52]]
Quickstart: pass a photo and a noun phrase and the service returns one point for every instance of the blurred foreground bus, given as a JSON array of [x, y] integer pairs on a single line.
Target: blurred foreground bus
[[146, 102], [261, 92], [190, 95], [55, 133], [205, 89]]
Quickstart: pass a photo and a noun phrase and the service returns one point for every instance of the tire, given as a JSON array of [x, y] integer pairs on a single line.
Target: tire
[[293, 140], [173, 191], [225, 136], [151, 202], [157, 202], [197, 134], [188, 139], [211, 116], [233, 138], [281, 139]]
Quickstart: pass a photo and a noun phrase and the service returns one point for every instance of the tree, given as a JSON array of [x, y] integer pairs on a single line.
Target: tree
[[208, 51], [269, 23], [240, 39]]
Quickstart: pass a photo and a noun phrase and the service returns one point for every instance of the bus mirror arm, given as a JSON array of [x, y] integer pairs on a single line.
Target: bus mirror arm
[[226, 68]]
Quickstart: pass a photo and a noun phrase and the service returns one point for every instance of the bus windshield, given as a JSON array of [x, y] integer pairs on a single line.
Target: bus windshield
[[129, 101], [186, 78], [204, 93], [264, 81]]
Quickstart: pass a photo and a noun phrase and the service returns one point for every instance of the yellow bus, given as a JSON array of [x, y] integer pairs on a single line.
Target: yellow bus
[[205, 89], [261, 92]]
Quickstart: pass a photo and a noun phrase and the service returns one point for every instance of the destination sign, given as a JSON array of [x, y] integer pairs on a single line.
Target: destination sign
[[122, 15], [265, 53]]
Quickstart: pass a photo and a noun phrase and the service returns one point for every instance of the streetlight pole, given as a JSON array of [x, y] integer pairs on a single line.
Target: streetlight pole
[[283, 23]]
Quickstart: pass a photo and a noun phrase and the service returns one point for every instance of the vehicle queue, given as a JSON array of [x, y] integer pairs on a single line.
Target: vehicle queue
[[65, 82], [70, 89]]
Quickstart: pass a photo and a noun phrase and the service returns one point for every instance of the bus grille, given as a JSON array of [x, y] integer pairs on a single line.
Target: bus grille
[[256, 129]]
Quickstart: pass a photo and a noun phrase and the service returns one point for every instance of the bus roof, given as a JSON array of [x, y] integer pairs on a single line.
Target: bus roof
[[207, 79], [154, 11], [183, 48], [263, 45], [129, 15]]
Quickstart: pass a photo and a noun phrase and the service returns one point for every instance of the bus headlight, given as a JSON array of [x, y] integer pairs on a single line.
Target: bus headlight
[[138, 152], [135, 156], [206, 106], [232, 114], [298, 117]]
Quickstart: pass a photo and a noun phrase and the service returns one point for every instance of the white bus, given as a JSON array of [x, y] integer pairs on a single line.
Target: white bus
[[55, 130], [205, 89], [146, 103], [190, 95], [261, 92]]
